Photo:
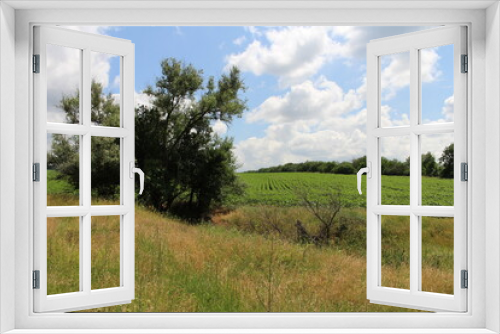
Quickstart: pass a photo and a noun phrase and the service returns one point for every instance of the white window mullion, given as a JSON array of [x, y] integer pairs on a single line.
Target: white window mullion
[[86, 244], [414, 173], [373, 184]]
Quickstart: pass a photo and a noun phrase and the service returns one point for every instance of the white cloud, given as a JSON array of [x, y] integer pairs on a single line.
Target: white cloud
[[395, 147], [322, 99], [448, 108], [219, 127], [447, 112], [436, 143], [389, 119], [313, 121], [64, 71], [240, 40], [291, 53], [394, 74], [296, 53]]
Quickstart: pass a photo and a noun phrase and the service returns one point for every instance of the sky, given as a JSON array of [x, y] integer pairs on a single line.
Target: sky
[[306, 85]]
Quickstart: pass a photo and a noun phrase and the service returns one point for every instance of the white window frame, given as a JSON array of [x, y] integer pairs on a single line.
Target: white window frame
[[483, 315], [85, 297], [414, 296]]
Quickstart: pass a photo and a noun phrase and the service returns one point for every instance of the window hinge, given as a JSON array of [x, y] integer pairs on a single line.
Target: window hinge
[[36, 172], [465, 64], [36, 63], [36, 279], [464, 169], [465, 279]]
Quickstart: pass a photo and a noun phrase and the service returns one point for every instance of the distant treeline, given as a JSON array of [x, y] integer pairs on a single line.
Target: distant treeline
[[443, 167]]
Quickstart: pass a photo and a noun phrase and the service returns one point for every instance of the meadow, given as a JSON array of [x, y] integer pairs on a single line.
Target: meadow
[[239, 262]]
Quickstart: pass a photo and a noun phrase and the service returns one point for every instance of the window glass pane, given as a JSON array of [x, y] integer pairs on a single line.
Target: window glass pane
[[395, 258], [395, 169], [437, 87], [437, 254], [63, 84], [437, 169], [63, 255], [105, 252], [395, 90], [105, 171], [105, 89], [63, 170]]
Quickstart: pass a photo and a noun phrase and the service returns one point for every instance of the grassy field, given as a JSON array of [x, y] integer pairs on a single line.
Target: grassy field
[[278, 189], [207, 268], [237, 264]]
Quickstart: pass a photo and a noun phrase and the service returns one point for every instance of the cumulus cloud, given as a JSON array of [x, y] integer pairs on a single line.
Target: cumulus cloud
[[436, 143], [64, 71], [447, 112], [308, 101], [321, 121], [219, 127], [313, 121], [290, 53], [240, 40], [296, 53], [448, 108]]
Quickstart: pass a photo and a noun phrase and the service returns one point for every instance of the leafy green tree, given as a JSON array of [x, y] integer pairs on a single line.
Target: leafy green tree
[[429, 165], [359, 163], [184, 162], [395, 167], [105, 152], [344, 168], [63, 156], [446, 162]]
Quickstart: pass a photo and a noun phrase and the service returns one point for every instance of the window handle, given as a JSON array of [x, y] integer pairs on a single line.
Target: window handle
[[368, 171], [141, 176]]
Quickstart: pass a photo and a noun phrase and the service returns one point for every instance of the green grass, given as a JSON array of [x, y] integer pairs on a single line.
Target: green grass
[[278, 189], [57, 184]]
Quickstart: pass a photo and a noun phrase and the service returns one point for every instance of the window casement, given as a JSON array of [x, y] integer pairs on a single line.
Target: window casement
[[413, 45], [475, 315], [80, 136]]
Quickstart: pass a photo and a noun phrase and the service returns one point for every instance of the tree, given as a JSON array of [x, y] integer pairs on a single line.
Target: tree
[[446, 162], [429, 165], [326, 212], [344, 168], [359, 163], [395, 167], [105, 152], [186, 164]]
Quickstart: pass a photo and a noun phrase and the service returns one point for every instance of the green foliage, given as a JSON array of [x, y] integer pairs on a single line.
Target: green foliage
[[395, 167], [58, 184], [345, 168], [63, 161], [429, 165], [189, 169], [446, 161], [359, 163], [63, 156]]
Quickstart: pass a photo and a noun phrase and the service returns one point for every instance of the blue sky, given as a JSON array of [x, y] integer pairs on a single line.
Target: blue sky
[[306, 85]]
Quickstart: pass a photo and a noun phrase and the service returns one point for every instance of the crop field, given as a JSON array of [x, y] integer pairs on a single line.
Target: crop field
[[279, 189]]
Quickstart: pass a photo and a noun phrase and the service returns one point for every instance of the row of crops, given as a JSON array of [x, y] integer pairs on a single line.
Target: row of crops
[[282, 189]]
